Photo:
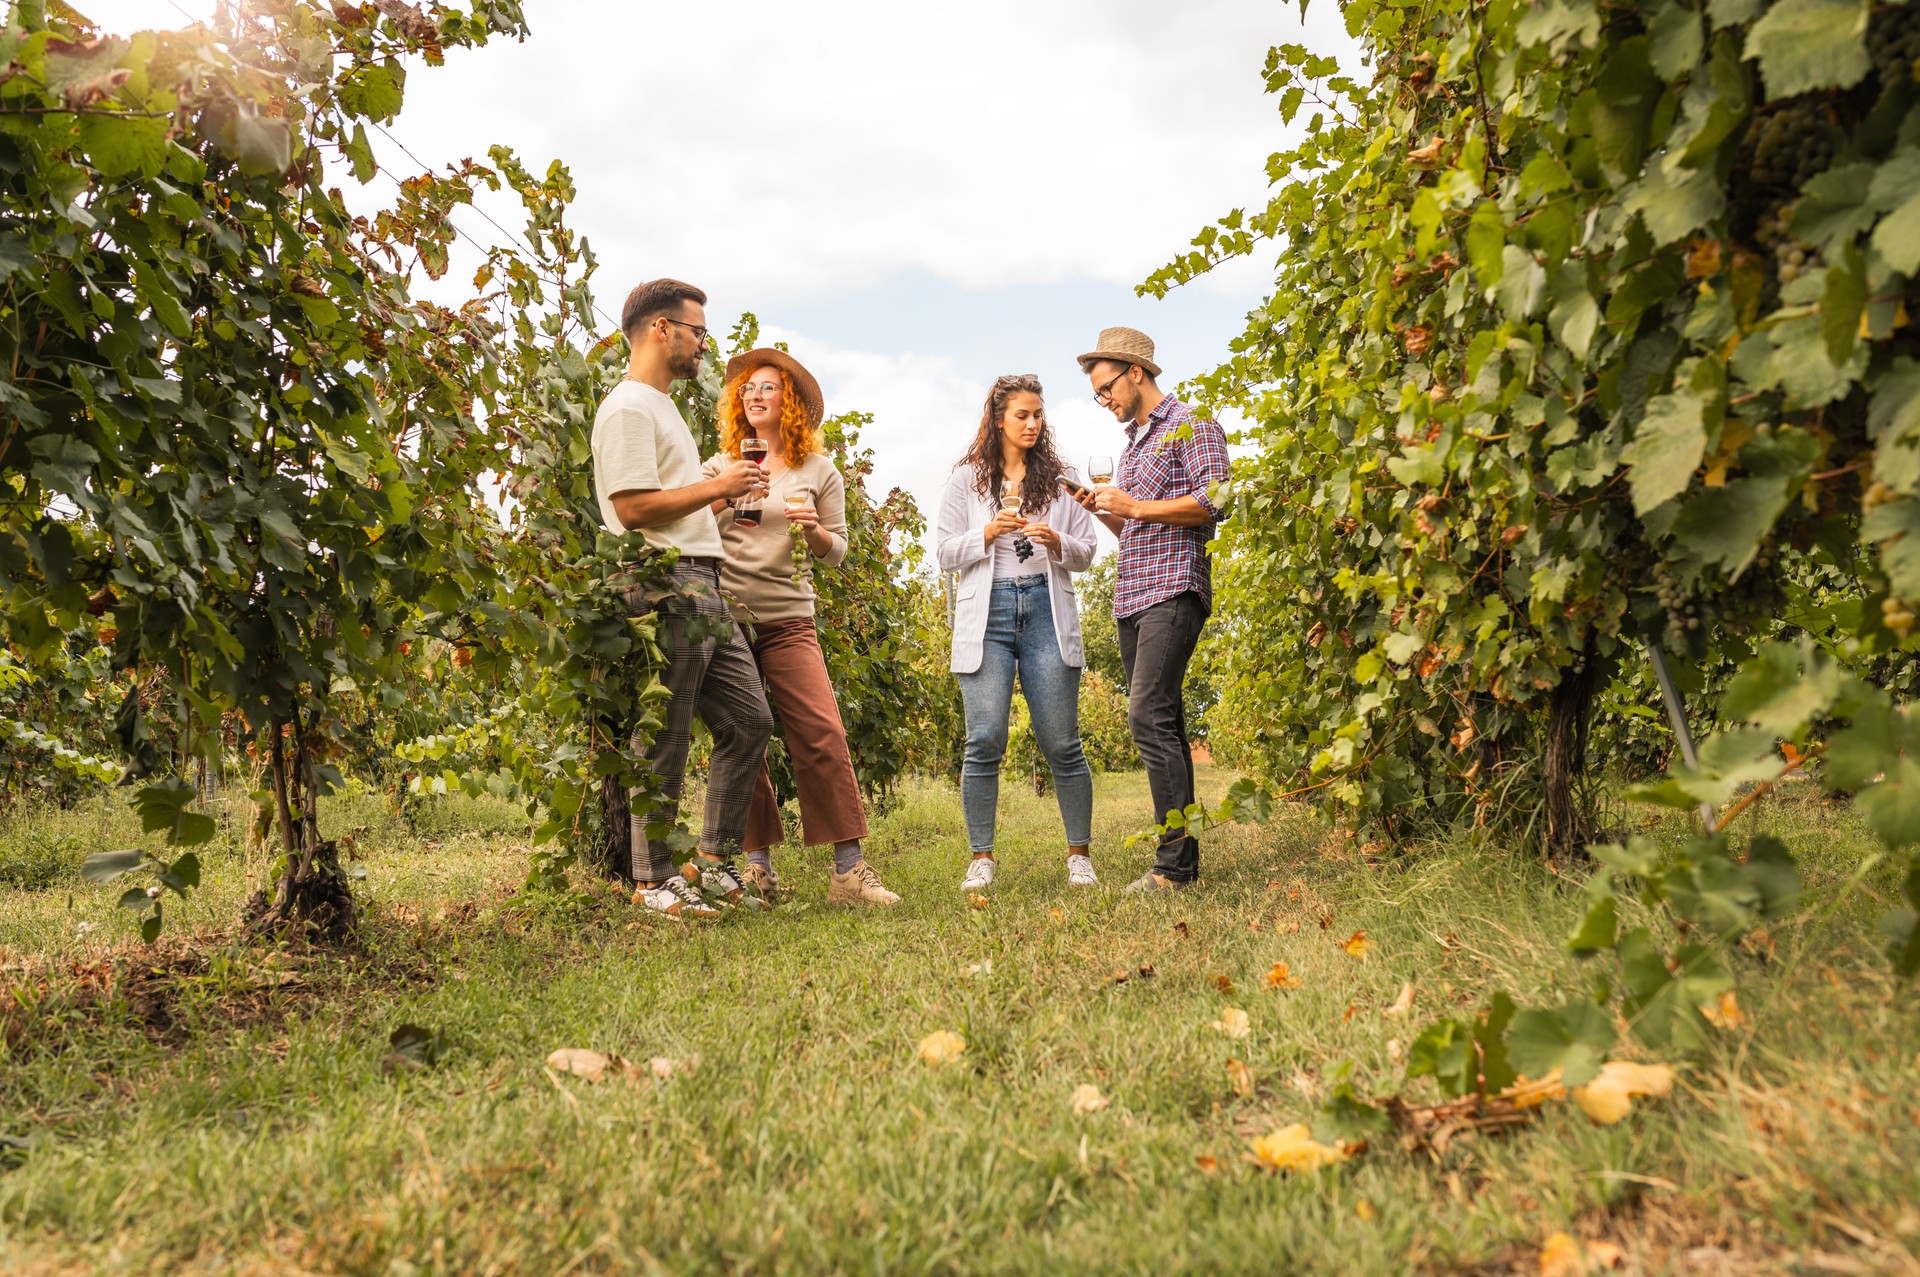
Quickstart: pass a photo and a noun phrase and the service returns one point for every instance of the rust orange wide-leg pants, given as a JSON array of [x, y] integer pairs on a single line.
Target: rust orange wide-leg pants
[[794, 672]]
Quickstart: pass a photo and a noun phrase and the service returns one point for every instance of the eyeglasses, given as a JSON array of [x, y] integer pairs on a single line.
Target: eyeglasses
[[1103, 395], [761, 390], [699, 330]]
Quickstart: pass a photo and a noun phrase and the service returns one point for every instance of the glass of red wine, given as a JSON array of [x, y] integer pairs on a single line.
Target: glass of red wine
[[746, 511]]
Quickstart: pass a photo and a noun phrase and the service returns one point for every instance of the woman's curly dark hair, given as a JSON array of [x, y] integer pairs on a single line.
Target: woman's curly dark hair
[[1044, 467]]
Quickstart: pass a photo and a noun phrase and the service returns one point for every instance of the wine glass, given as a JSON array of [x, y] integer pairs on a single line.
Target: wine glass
[[746, 510], [1023, 548], [1100, 470]]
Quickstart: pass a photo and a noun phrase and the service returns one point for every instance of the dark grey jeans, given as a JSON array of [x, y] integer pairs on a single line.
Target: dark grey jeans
[[715, 677], [1155, 646]]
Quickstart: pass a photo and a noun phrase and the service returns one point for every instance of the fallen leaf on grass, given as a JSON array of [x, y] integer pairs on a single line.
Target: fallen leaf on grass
[[1725, 1013], [1056, 915], [1233, 1022], [1207, 1163], [1403, 1003], [663, 1068], [977, 900], [1293, 1148], [1254, 926], [1240, 1076], [942, 1047], [978, 968], [1281, 978], [1356, 945], [1087, 1099], [1364, 1209], [1223, 983], [1562, 1256], [1528, 1093], [1609, 1097], [1395, 1051], [582, 1063], [1181, 927]]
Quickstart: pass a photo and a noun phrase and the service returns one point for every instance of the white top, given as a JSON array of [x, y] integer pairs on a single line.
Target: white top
[[641, 443], [1006, 560], [960, 545]]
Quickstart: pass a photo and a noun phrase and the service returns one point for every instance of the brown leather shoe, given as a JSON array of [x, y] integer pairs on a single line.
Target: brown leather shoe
[[762, 879], [860, 885]]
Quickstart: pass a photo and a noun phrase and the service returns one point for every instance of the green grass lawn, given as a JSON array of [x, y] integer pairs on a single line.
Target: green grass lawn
[[201, 1107]]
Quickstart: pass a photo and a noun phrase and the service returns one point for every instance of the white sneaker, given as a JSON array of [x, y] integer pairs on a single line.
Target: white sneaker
[[979, 874], [721, 881], [675, 899], [1080, 872]]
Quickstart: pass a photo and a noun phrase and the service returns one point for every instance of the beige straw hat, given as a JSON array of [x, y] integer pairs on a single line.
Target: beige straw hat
[[1123, 346], [796, 373]]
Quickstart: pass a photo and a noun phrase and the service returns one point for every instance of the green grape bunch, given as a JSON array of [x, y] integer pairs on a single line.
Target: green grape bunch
[[1893, 42], [1679, 602], [1790, 145]]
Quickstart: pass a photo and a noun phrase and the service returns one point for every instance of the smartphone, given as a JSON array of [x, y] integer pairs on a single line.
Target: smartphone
[[1075, 488]]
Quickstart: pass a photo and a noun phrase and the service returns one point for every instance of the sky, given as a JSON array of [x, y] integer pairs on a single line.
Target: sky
[[915, 198]]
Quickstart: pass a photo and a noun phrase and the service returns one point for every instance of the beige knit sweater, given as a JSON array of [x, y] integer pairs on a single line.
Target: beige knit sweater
[[758, 572]]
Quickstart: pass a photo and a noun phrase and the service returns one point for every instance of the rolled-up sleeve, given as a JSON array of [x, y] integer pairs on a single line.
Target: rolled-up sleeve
[[1204, 458], [832, 510]]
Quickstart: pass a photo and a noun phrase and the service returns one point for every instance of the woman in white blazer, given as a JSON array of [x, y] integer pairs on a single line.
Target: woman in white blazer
[[1015, 612]]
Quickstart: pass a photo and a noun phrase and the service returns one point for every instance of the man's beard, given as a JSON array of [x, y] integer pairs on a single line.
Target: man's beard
[[686, 366]]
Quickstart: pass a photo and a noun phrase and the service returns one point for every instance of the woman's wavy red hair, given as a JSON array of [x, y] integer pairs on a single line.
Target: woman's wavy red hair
[[796, 433]]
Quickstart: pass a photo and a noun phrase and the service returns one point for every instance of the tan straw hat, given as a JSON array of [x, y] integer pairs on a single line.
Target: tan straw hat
[[1123, 346], [796, 373]]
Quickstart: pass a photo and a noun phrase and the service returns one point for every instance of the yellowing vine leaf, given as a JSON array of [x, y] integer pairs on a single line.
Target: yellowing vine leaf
[[1293, 1148], [942, 1047], [1233, 1022], [1281, 978], [1562, 1256], [1240, 1076], [1609, 1097]]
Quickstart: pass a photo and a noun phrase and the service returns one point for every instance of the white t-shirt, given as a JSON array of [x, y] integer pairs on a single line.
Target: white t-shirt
[[641, 444]]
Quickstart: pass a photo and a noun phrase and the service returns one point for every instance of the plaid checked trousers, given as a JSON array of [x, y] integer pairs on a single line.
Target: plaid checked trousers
[[715, 677]]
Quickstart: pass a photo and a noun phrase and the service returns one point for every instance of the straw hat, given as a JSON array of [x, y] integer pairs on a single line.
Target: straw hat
[[797, 376], [1123, 346]]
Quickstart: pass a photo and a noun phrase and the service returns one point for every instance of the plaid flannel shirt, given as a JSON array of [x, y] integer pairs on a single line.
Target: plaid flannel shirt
[[1158, 561]]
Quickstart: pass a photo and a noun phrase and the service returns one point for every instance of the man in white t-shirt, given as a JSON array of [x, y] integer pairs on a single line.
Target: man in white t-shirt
[[646, 473]]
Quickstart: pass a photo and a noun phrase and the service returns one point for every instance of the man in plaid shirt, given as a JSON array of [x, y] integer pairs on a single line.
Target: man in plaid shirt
[[1162, 509]]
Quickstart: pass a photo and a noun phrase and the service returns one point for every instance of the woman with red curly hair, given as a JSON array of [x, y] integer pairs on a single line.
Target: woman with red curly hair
[[768, 573]]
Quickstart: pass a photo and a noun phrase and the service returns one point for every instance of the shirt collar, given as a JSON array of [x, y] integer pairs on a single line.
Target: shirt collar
[[1166, 408]]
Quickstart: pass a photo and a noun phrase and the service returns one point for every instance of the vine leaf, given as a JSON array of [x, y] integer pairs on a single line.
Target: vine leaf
[[1811, 44], [1573, 1039], [1670, 444]]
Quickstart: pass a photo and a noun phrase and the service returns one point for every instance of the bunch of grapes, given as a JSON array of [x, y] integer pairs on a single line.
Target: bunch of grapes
[[1682, 609], [1792, 258], [1893, 42], [1790, 145], [1897, 615]]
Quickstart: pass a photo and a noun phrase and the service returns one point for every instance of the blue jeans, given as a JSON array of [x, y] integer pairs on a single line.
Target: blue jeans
[[1020, 638]]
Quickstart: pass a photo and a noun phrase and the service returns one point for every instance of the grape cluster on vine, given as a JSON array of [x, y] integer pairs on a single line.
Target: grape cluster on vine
[[1792, 258], [1893, 42], [1679, 603], [1790, 145]]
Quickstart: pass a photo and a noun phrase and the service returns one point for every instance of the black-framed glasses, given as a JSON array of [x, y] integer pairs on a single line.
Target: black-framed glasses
[[699, 330], [1103, 395]]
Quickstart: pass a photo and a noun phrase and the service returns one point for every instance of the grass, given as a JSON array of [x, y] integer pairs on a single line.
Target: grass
[[204, 1108]]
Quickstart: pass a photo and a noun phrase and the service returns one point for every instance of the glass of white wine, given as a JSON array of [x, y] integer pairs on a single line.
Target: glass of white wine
[[1100, 469]]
